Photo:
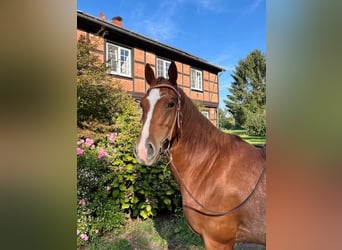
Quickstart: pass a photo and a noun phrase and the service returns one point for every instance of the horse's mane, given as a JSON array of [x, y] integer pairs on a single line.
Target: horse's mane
[[160, 79], [200, 132]]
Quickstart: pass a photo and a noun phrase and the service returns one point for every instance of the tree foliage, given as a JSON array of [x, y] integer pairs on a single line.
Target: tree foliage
[[225, 121], [100, 100], [248, 91]]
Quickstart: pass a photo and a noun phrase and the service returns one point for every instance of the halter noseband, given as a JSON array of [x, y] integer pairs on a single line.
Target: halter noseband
[[178, 117]]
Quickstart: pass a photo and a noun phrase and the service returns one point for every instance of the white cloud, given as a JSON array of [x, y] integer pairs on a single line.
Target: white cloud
[[212, 5], [157, 23], [220, 6], [161, 30], [251, 7], [227, 57]]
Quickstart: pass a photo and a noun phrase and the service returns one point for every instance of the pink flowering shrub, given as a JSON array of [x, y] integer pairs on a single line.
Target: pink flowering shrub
[[101, 153], [95, 209], [110, 184], [79, 151]]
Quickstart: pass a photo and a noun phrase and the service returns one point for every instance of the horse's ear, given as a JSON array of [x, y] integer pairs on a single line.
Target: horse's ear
[[173, 73], [149, 74]]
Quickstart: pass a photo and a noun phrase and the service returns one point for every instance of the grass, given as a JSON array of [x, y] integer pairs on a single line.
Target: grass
[[255, 140], [161, 233]]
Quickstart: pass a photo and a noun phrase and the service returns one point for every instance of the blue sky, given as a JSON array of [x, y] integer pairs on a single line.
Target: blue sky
[[219, 31]]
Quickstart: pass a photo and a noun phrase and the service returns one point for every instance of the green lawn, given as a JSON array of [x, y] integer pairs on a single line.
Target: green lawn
[[255, 140], [161, 233]]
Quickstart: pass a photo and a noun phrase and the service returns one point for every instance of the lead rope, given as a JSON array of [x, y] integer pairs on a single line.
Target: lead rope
[[211, 212]]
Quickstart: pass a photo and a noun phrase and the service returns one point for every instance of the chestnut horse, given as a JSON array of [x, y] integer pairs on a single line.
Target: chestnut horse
[[222, 179]]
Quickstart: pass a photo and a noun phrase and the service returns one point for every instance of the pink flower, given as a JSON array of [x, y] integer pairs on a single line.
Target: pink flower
[[96, 231], [112, 137], [78, 232], [101, 153], [80, 142], [108, 188], [84, 237], [89, 142], [79, 151], [82, 202]]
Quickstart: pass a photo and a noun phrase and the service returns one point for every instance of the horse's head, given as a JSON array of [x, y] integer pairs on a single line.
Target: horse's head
[[160, 107]]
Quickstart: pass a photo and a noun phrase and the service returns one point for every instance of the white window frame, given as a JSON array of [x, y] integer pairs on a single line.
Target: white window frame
[[122, 57], [196, 79], [205, 113], [163, 67]]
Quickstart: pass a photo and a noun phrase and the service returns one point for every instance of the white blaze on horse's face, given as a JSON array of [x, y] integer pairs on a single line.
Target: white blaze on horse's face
[[145, 150]]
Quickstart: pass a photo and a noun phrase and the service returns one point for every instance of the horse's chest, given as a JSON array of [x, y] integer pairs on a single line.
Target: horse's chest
[[194, 221]]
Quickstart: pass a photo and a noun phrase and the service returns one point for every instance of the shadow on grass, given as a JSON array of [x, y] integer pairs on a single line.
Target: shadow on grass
[[121, 244], [176, 232], [173, 228], [137, 234]]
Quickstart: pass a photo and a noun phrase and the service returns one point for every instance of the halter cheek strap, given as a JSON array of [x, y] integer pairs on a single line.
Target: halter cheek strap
[[178, 117]]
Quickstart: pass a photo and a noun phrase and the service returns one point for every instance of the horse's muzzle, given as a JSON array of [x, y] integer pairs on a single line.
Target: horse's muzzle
[[146, 154]]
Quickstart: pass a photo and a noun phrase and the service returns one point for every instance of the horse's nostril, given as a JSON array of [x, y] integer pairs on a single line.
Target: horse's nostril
[[150, 149]]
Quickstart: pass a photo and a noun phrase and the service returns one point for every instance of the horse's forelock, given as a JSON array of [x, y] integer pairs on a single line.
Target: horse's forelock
[[160, 79]]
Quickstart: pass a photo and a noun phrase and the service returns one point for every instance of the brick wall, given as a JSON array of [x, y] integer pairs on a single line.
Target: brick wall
[[137, 84]]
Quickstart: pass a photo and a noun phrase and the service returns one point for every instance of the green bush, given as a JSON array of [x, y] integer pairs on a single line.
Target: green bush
[[112, 185], [226, 123], [96, 212], [255, 123], [98, 102]]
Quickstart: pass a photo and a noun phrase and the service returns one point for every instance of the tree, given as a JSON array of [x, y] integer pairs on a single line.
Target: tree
[[102, 104], [248, 90], [225, 121]]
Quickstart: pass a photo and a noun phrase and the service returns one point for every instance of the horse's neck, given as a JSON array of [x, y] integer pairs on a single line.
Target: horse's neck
[[195, 122], [194, 135]]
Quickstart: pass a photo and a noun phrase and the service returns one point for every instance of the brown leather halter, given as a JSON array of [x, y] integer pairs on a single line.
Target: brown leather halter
[[178, 120], [178, 117]]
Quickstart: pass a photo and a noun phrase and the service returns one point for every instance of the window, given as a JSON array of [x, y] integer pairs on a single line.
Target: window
[[196, 79], [119, 60], [205, 113], [162, 68]]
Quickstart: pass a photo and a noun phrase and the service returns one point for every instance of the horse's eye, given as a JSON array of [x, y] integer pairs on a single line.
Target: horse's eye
[[171, 104]]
